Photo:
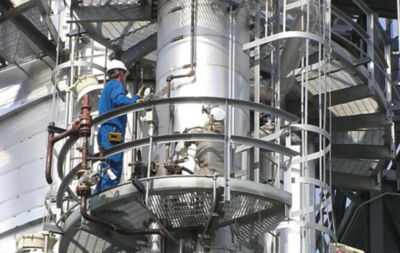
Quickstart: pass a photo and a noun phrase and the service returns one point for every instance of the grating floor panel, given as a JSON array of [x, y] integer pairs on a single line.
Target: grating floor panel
[[187, 202], [242, 205], [181, 209]]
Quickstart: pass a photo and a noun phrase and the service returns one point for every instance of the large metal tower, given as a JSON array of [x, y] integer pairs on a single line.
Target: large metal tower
[[269, 125]]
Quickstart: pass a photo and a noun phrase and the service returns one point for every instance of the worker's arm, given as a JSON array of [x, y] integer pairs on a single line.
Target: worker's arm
[[119, 98]]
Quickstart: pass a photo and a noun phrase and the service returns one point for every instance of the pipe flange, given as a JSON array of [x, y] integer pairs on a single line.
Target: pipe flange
[[83, 190]]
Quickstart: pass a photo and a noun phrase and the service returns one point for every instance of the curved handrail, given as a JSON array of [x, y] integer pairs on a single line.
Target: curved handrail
[[173, 101], [196, 100], [173, 137], [200, 137]]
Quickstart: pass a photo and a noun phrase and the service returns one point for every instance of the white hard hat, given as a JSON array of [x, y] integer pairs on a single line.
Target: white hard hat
[[116, 64]]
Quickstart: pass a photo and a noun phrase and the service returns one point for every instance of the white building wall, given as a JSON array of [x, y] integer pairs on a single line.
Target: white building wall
[[24, 118]]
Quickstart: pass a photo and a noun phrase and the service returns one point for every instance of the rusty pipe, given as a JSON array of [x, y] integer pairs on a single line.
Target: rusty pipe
[[85, 124], [49, 156], [85, 119], [82, 127], [84, 164], [91, 217], [50, 144]]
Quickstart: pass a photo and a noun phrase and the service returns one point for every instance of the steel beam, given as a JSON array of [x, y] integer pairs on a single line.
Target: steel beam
[[113, 13], [31, 35], [339, 202], [355, 182], [376, 224], [45, 10], [139, 50], [350, 94], [350, 195], [384, 8], [8, 11], [361, 151], [343, 222], [390, 224], [359, 122]]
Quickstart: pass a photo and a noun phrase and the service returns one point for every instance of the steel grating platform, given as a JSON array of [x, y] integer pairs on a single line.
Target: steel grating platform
[[186, 202]]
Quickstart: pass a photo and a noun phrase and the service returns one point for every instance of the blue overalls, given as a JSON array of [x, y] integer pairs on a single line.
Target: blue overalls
[[112, 96]]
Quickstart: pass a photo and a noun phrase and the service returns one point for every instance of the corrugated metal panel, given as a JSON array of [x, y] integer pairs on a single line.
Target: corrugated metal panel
[[24, 203], [27, 148], [17, 89], [23, 135], [26, 125], [28, 178]]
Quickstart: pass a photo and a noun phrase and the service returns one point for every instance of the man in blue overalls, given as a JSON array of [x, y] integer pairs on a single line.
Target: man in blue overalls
[[112, 132]]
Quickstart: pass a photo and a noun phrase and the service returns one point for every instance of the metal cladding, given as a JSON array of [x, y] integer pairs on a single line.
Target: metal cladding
[[214, 37]]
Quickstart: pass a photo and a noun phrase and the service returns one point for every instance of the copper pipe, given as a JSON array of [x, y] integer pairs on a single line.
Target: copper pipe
[[50, 144], [84, 164], [85, 124], [92, 218], [85, 119], [49, 156], [82, 127]]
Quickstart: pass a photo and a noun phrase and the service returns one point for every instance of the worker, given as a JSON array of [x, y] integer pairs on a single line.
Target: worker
[[112, 132]]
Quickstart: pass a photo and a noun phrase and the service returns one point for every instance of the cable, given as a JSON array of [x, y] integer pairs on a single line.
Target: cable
[[363, 204]]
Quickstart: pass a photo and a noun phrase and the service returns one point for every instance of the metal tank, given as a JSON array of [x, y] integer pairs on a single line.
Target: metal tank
[[207, 48], [199, 54]]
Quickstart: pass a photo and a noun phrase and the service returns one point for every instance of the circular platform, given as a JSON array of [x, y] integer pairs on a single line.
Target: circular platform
[[184, 202]]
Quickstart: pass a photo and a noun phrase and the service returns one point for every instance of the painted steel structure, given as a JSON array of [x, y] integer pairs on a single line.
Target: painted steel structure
[[214, 64], [260, 107]]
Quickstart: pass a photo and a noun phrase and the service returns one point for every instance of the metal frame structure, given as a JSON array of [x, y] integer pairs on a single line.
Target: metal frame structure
[[322, 115], [285, 168], [238, 141]]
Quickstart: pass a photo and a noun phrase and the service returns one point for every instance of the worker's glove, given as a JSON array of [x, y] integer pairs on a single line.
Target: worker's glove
[[141, 91], [141, 100]]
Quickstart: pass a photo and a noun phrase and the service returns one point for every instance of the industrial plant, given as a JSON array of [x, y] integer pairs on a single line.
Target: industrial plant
[[195, 126]]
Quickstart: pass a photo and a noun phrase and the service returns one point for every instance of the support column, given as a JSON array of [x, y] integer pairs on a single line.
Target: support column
[[376, 224]]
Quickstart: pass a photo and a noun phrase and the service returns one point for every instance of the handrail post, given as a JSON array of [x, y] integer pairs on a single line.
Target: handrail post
[[228, 151], [151, 133]]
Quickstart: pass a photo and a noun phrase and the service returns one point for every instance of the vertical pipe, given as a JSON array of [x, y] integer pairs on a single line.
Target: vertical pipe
[[328, 99], [232, 62], [227, 155], [277, 90], [257, 77], [370, 51], [389, 96], [49, 156], [376, 226], [398, 26], [284, 16]]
